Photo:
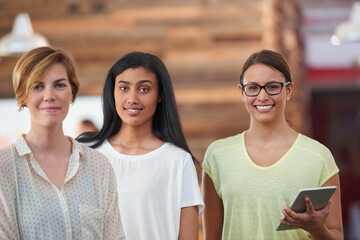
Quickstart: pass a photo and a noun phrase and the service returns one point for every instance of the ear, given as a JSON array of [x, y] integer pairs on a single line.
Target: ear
[[159, 100], [242, 93], [289, 90]]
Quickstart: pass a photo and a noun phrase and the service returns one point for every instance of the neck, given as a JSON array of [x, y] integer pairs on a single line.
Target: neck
[[134, 136], [134, 140], [266, 131], [46, 139]]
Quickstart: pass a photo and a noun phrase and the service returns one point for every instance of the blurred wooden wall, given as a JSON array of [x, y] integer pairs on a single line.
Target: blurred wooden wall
[[203, 43]]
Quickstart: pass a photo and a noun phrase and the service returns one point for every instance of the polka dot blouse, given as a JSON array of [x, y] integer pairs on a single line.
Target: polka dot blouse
[[31, 207]]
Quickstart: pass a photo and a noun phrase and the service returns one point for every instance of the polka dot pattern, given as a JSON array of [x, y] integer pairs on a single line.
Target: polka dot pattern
[[31, 207]]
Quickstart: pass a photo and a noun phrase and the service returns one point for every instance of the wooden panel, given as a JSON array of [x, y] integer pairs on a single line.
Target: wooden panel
[[199, 43], [202, 42]]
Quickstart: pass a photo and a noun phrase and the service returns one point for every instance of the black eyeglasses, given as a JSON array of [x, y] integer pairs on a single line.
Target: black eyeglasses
[[271, 88]]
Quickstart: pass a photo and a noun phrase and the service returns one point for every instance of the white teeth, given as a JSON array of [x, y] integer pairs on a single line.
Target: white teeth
[[133, 110], [263, 107]]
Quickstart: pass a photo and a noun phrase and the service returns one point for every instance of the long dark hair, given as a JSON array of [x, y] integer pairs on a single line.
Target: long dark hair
[[166, 121], [269, 58]]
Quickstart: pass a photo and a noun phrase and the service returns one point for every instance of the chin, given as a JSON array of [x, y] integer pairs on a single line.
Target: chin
[[264, 119]]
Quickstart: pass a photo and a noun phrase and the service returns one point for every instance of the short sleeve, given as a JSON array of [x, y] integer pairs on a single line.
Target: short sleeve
[[191, 195], [210, 166], [319, 156], [206, 165], [330, 168]]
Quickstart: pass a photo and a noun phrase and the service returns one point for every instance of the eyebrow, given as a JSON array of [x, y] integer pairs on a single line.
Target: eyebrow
[[56, 81], [61, 79], [273, 81], [139, 82]]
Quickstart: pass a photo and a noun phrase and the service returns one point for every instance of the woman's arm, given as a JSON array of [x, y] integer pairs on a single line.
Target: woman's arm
[[8, 222], [323, 224], [213, 212], [189, 223], [8, 190]]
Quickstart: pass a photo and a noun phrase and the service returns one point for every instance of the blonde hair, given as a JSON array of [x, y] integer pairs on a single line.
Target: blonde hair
[[34, 64]]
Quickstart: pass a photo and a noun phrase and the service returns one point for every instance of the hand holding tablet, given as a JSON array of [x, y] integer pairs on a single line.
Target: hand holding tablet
[[319, 197]]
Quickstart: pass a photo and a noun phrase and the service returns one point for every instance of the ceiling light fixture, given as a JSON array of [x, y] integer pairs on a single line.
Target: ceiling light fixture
[[22, 37], [348, 31]]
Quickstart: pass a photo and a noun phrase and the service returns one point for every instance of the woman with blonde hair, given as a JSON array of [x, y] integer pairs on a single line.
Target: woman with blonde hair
[[51, 186]]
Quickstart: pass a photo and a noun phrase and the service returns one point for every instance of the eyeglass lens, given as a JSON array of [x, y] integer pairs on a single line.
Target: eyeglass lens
[[270, 88]]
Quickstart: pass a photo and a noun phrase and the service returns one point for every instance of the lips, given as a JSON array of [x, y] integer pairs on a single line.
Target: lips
[[50, 109], [133, 110]]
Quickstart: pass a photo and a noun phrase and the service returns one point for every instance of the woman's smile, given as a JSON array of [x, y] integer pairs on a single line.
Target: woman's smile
[[264, 108], [133, 110]]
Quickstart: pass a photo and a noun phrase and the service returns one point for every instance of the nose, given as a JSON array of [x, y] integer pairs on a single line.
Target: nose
[[49, 94], [263, 94], [132, 97]]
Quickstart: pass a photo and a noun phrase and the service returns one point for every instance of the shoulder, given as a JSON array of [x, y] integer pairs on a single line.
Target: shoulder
[[177, 154], [313, 147], [93, 156], [220, 151], [171, 148], [8, 169], [225, 144], [6, 151], [310, 144], [7, 157], [12, 152]]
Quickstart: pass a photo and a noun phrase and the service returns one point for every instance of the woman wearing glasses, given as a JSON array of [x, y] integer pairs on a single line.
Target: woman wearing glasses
[[248, 178]]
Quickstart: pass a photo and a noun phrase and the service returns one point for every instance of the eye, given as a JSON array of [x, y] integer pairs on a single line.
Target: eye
[[143, 89], [252, 87], [60, 85], [273, 86], [123, 88], [37, 87]]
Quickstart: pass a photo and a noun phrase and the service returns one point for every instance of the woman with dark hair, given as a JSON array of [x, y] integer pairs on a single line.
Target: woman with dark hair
[[249, 177], [142, 136], [51, 186]]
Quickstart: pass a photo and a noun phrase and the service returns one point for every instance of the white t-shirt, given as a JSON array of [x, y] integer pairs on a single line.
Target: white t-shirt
[[153, 187]]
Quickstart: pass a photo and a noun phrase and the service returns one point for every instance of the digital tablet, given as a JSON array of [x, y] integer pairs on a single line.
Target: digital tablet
[[319, 197]]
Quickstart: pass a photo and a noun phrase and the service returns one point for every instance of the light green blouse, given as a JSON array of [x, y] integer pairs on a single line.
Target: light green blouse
[[253, 196]]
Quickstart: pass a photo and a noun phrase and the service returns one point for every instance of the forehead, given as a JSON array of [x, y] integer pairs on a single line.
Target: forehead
[[261, 73], [133, 75], [54, 72]]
